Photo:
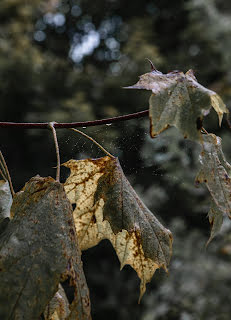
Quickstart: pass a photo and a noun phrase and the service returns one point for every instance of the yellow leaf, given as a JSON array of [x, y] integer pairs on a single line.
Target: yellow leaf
[[107, 207], [218, 106]]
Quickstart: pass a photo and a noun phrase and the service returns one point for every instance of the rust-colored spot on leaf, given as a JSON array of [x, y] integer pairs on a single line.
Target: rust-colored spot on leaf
[[93, 219]]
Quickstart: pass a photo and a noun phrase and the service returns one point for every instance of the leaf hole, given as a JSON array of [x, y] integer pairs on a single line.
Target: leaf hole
[[73, 206]]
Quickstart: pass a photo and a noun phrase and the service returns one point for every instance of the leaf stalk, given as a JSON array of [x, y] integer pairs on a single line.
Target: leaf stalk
[[51, 126], [94, 141], [5, 173]]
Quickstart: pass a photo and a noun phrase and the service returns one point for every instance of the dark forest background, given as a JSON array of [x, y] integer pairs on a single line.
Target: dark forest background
[[68, 61]]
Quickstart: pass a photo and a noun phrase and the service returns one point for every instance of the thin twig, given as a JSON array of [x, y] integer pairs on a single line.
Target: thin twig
[[6, 172], [44, 125], [51, 126], [95, 142], [205, 131], [2, 174]]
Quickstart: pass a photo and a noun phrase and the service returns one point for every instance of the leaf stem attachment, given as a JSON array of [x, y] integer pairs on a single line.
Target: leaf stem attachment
[[51, 126], [95, 142]]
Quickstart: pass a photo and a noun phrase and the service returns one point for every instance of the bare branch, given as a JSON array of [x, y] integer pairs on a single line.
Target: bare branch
[[44, 125]]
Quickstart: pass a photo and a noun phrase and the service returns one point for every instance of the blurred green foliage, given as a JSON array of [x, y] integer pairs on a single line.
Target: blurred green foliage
[[66, 60]]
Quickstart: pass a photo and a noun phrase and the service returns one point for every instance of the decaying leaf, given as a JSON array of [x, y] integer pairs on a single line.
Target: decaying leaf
[[215, 172], [215, 216], [38, 250], [58, 307], [178, 100], [5, 200], [107, 207], [5, 204]]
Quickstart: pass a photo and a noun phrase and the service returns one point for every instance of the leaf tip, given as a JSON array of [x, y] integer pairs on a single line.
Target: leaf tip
[[142, 290], [122, 266], [129, 87], [191, 74], [208, 242]]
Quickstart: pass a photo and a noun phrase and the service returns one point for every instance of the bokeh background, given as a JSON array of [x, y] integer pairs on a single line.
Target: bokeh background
[[67, 60]]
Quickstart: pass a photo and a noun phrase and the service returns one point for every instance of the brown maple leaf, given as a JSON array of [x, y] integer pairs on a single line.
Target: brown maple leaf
[[107, 207]]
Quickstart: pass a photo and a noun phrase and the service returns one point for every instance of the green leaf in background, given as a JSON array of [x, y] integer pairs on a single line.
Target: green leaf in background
[[215, 172], [178, 100]]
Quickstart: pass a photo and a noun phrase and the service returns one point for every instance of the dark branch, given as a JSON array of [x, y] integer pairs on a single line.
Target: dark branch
[[45, 125]]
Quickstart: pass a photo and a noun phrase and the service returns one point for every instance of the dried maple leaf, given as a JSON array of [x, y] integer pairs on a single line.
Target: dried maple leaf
[[39, 249], [215, 172], [178, 100], [107, 207], [58, 307]]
